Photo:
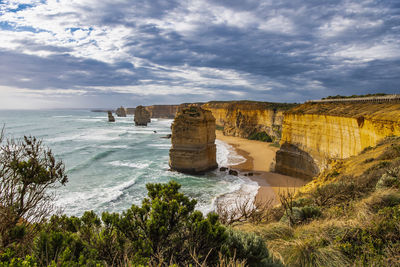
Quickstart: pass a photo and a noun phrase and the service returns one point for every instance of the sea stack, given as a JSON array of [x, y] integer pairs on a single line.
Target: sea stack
[[142, 116], [110, 116], [193, 141], [121, 112]]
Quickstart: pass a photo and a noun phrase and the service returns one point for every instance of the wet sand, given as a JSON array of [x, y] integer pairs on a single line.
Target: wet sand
[[260, 160]]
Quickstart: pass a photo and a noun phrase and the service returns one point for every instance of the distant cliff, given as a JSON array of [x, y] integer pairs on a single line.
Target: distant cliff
[[163, 111], [315, 133], [245, 118]]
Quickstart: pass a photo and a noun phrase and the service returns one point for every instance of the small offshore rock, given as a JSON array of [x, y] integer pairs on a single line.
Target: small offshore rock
[[121, 112], [223, 169], [110, 116], [233, 172]]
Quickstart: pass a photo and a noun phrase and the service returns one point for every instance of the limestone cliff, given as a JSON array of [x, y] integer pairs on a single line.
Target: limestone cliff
[[142, 116], [244, 118], [121, 112], [314, 134], [193, 141], [162, 111]]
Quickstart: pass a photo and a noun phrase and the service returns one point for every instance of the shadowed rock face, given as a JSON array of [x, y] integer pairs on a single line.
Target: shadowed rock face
[[121, 112], [193, 141], [110, 116], [142, 116]]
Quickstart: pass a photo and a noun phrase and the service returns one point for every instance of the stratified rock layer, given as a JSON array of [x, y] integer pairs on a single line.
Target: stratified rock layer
[[110, 116], [193, 141], [314, 134], [142, 116], [244, 118], [121, 112]]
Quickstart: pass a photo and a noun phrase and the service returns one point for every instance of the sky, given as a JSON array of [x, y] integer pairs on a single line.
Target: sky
[[108, 53]]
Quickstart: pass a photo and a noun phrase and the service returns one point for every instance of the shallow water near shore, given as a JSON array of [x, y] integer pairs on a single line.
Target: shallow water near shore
[[109, 164]]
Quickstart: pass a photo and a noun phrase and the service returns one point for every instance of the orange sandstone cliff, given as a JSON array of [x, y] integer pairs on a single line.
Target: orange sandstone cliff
[[193, 141], [314, 134], [244, 118]]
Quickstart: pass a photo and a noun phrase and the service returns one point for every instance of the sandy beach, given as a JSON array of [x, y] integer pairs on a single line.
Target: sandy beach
[[260, 157]]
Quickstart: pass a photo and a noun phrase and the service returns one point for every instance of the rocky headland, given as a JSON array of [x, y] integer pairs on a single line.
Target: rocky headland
[[193, 141]]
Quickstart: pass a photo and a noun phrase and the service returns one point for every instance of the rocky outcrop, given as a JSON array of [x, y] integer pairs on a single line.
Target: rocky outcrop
[[245, 118], [162, 111], [110, 116], [142, 116], [121, 112], [314, 134], [193, 141]]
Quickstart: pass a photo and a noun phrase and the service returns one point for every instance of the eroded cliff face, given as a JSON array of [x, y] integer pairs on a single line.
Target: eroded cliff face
[[193, 141], [315, 134], [162, 111], [243, 118]]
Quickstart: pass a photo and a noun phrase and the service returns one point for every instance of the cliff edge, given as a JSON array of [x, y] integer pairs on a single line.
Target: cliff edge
[[314, 134]]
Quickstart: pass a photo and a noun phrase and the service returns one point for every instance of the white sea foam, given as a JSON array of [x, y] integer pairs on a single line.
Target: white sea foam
[[226, 154], [136, 165]]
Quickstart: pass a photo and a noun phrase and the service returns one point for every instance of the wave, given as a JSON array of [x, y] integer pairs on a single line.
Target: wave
[[226, 154], [136, 165]]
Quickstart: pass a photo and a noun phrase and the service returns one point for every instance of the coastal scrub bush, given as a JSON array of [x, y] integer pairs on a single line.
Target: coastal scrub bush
[[28, 171], [247, 246]]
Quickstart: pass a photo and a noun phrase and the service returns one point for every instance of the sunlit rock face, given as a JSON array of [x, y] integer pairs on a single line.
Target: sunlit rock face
[[243, 118], [121, 112], [314, 134], [193, 141], [110, 116], [142, 116]]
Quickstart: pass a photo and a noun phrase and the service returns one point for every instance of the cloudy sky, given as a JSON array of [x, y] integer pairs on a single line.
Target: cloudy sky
[[106, 53]]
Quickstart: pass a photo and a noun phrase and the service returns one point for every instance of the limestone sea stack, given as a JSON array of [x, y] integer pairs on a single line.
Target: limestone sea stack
[[121, 112], [110, 116], [193, 141], [142, 116]]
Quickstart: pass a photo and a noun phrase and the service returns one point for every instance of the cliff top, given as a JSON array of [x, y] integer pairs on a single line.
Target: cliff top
[[251, 105], [382, 111]]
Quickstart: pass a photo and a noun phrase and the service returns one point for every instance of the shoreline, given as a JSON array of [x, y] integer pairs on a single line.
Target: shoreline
[[260, 159]]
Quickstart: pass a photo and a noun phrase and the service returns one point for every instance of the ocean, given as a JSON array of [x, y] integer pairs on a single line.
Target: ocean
[[109, 164]]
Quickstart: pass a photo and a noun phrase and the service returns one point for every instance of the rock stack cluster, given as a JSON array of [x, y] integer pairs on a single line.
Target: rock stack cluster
[[193, 141], [110, 116], [142, 116], [121, 112]]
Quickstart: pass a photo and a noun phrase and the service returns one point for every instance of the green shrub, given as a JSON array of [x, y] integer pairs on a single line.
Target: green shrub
[[219, 127], [260, 136], [334, 193], [302, 215], [247, 246], [389, 179]]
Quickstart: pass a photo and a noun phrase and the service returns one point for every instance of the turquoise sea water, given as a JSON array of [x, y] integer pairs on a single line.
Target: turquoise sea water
[[109, 164]]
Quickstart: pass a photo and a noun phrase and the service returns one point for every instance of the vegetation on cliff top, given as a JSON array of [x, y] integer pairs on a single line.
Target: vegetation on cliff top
[[353, 96], [382, 111], [347, 216], [247, 104]]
